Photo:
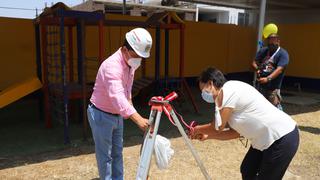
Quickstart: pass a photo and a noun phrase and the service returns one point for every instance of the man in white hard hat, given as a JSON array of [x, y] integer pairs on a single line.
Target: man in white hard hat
[[111, 102]]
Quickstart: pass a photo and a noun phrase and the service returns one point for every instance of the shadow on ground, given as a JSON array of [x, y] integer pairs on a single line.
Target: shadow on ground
[[312, 130], [25, 140], [293, 109]]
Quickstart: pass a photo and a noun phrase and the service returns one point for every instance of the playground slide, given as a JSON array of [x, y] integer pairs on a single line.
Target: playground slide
[[19, 90]]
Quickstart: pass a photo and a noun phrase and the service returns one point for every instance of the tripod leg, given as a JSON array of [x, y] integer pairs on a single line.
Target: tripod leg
[[188, 143], [148, 146]]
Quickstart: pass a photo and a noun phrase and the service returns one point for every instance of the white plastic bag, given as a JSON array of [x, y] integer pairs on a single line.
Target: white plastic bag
[[163, 152]]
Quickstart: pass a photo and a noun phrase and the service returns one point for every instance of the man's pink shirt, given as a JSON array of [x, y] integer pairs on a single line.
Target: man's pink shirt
[[112, 89]]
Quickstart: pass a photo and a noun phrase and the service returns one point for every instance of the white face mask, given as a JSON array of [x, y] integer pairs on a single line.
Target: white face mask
[[134, 63], [206, 96]]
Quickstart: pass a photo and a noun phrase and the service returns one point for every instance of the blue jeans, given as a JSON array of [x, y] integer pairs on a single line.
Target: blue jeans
[[107, 132]]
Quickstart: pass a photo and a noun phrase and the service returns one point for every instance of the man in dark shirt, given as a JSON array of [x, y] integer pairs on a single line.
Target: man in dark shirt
[[270, 64]]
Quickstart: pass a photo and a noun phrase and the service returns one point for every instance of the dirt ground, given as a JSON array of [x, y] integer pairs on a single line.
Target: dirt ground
[[222, 159]]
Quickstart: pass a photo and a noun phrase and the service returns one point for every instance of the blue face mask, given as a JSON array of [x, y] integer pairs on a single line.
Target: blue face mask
[[206, 96]]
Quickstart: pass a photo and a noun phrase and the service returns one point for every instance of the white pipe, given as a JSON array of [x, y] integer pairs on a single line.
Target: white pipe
[[260, 28], [124, 11], [197, 13], [261, 21]]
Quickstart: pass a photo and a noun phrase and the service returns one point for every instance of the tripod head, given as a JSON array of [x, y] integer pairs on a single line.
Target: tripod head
[[163, 100]]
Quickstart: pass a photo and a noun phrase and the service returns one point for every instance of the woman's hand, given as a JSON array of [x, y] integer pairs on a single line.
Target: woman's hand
[[201, 137], [195, 133]]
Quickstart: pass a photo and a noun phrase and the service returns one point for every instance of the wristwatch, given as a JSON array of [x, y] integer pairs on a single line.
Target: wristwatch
[[269, 79]]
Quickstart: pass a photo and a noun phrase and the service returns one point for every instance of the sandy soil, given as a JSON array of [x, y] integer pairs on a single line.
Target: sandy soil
[[222, 159]]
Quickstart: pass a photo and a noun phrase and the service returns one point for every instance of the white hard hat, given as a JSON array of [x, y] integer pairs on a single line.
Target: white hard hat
[[140, 40]]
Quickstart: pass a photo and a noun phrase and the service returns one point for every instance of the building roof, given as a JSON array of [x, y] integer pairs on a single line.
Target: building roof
[[271, 4]]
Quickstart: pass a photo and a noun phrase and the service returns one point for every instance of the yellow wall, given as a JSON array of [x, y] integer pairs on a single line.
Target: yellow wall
[[228, 47], [242, 48], [206, 45], [302, 42], [17, 57]]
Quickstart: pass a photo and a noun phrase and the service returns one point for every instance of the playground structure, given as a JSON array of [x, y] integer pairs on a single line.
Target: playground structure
[[61, 83], [19, 90], [55, 58]]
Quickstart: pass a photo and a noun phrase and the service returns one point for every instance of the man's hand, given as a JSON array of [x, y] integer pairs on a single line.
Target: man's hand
[[142, 123], [263, 80], [254, 65]]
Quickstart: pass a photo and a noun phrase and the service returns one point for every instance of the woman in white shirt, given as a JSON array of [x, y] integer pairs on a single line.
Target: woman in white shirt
[[273, 134]]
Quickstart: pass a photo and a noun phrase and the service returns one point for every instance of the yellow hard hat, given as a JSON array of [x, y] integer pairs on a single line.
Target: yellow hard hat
[[269, 29]]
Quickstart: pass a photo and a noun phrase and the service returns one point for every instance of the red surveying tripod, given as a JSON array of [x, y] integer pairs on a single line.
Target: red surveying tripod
[[159, 105]]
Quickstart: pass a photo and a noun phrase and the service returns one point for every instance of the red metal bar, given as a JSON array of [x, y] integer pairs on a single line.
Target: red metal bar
[[70, 44], [84, 81], [101, 41], [71, 105], [56, 21], [157, 107], [123, 23], [170, 26], [45, 89], [172, 96]]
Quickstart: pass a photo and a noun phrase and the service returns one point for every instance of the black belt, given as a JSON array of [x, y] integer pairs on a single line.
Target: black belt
[[92, 105]]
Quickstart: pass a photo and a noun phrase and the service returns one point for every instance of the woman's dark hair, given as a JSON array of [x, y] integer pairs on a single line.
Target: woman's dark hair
[[214, 75], [127, 45]]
